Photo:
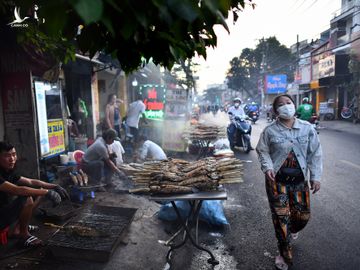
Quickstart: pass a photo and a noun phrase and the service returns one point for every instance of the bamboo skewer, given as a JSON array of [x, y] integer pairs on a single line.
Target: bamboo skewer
[[180, 176]]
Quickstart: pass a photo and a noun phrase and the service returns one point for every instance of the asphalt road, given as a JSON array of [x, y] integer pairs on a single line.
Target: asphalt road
[[332, 236]]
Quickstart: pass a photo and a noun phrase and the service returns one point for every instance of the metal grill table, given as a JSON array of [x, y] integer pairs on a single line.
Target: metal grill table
[[195, 201], [110, 221], [204, 148]]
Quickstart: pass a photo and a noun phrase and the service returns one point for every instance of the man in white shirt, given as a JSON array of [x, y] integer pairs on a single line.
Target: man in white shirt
[[136, 109], [147, 149], [97, 162]]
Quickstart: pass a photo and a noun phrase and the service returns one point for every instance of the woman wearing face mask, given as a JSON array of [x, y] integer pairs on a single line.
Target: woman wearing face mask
[[287, 149]]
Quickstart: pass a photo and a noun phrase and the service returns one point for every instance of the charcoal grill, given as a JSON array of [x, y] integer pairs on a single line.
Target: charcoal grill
[[61, 212], [111, 222]]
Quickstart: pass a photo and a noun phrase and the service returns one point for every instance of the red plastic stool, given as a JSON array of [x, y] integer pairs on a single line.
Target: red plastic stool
[[78, 155], [3, 236]]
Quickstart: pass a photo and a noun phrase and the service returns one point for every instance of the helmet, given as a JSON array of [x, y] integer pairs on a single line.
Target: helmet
[[237, 100], [305, 99]]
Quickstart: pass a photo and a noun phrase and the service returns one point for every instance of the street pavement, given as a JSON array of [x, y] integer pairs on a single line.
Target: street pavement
[[331, 238]]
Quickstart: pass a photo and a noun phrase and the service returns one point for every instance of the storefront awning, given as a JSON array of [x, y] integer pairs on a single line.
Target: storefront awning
[[314, 84]]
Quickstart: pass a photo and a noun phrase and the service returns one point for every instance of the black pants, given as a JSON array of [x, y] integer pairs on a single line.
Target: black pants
[[98, 171], [10, 212], [135, 132]]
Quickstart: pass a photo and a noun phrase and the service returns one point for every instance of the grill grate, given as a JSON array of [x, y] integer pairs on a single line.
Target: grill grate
[[109, 222]]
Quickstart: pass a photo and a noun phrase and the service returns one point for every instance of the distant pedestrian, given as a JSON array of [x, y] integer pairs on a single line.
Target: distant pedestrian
[[136, 109], [287, 149], [112, 113]]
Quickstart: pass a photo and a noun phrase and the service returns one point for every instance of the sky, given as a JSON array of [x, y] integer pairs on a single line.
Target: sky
[[284, 19]]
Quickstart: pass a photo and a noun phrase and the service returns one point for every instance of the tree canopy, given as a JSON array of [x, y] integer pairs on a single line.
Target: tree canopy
[[134, 32], [269, 57], [213, 94]]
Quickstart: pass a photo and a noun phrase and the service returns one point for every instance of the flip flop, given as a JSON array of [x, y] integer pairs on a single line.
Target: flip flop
[[31, 241], [33, 228], [280, 263]]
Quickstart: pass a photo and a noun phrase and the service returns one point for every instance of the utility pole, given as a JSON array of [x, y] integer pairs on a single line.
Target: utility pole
[[297, 67], [262, 73]]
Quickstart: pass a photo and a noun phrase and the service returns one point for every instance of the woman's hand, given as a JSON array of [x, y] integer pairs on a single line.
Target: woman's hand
[[270, 175], [315, 186]]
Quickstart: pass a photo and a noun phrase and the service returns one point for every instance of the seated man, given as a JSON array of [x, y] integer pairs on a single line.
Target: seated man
[[97, 162], [16, 197], [147, 149]]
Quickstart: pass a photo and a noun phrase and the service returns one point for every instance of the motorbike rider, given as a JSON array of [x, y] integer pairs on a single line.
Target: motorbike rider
[[234, 111], [252, 107], [305, 110]]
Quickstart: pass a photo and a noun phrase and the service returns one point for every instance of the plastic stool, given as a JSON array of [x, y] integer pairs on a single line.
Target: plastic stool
[[3, 236]]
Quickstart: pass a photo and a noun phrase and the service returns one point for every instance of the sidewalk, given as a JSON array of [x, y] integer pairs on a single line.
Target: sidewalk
[[341, 125]]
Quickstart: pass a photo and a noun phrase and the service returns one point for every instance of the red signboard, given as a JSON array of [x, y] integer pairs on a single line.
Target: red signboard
[[154, 99]]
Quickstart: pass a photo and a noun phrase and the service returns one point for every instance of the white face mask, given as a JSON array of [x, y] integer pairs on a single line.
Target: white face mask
[[286, 111], [236, 105]]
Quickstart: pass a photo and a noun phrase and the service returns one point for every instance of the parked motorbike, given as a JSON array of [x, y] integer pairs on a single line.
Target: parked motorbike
[[254, 116], [242, 134], [347, 112]]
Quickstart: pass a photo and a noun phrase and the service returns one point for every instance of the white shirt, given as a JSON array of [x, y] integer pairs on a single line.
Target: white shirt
[[118, 149], [133, 115], [152, 150], [236, 112]]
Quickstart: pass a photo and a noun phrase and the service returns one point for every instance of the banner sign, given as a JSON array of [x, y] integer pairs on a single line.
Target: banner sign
[[153, 96], [176, 103], [275, 84], [56, 136], [327, 67], [42, 117]]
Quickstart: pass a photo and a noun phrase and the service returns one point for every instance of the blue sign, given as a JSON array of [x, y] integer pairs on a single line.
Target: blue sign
[[275, 84]]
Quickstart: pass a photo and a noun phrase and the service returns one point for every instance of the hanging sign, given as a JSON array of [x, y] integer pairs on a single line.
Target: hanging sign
[[56, 136], [153, 96]]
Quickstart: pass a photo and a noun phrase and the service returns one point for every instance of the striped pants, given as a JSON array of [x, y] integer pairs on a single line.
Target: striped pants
[[290, 209]]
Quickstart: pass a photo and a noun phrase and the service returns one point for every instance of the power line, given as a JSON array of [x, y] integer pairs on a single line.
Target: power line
[[318, 34], [313, 3]]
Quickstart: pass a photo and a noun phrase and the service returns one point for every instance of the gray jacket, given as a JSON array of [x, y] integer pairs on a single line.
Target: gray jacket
[[277, 140]]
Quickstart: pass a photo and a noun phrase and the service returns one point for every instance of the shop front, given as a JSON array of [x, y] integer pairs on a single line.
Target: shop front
[[50, 120], [333, 76], [153, 96], [177, 110]]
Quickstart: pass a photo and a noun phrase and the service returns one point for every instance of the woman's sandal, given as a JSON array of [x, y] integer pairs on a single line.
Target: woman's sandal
[[280, 263], [31, 241]]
